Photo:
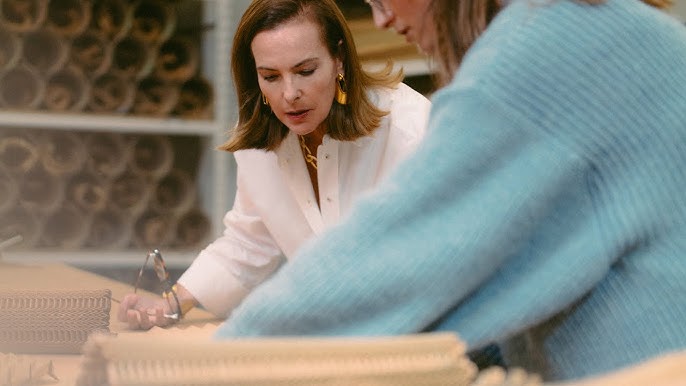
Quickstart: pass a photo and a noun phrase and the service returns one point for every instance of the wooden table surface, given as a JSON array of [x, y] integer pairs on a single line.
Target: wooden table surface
[[60, 276]]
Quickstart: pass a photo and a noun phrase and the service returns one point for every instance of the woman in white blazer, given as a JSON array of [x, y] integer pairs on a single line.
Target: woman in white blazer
[[315, 132]]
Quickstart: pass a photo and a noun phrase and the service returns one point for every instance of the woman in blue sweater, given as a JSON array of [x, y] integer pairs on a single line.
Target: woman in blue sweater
[[545, 210]]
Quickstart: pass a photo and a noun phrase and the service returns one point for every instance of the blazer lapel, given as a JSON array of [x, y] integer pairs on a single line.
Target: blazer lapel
[[294, 170]]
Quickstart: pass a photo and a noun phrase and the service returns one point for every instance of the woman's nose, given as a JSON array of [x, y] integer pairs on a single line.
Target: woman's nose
[[291, 91], [382, 18]]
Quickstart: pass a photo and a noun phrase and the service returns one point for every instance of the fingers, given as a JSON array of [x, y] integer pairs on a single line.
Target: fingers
[[129, 302], [146, 318]]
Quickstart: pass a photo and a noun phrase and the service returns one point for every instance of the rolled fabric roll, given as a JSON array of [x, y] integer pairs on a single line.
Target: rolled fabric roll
[[23, 222], [153, 21], [46, 51], [23, 15], [132, 58], [62, 153], [107, 154], [177, 60], [155, 97], [68, 18], [196, 99], [10, 48], [109, 229], [130, 193], [112, 18], [153, 229], [67, 90], [19, 151], [8, 190], [111, 94], [88, 192], [41, 191], [174, 193], [21, 87], [152, 156], [67, 227], [192, 229], [92, 52]]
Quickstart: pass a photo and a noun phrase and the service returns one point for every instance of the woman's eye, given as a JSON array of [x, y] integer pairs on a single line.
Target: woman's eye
[[306, 72], [269, 78]]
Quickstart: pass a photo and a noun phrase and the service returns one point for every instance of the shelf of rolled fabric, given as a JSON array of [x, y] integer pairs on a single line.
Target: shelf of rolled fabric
[[376, 46], [84, 83], [101, 58], [74, 195]]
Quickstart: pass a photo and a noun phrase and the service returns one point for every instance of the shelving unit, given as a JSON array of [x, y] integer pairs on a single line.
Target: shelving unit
[[375, 47], [215, 177]]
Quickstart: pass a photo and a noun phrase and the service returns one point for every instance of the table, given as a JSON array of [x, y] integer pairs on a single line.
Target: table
[[58, 276]]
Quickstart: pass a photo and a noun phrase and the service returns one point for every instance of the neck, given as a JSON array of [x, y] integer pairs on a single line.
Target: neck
[[315, 138]]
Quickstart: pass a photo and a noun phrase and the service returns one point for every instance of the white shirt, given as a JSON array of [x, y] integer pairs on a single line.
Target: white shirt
[[275, 210]]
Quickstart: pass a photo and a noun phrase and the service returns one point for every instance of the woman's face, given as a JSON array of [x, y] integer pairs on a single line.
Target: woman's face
[[410, 18], [296, 74]]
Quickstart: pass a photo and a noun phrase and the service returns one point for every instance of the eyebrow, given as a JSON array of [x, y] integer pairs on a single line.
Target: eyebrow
[[299, 64]]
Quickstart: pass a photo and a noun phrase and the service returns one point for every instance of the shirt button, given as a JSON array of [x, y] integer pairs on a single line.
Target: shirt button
[[329, 199], [326, 156]]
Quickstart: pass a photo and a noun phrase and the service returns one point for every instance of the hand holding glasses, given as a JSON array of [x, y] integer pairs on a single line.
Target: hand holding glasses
[[163, 276]]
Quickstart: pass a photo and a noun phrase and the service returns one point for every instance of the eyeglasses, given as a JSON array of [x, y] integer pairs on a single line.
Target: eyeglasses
[[378, 5], [163, 275]]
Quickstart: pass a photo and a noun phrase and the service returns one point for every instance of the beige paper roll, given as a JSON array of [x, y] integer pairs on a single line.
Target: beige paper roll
[[155, 97], [8, 191], [68, 18], [45, 51], [41, 191], [112, 18], [68, 227], [23, 15], [62, 152], [175, 193], [10, 48], [67, 90], [88, 192], [153, 21], [196, 99], [177, 60], [21, 87], [152, 156], [111, 94], [132, 58], [130, 193], [192, 230], [20, 221], [19, 151], [107, 154], [91, 52], [109, 229], [153, 229]]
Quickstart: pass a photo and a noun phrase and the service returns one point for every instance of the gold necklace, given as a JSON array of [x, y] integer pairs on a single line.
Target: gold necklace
[[309, 158]]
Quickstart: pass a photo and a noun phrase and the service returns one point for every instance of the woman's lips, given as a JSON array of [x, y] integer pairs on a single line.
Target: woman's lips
[[297, 115]]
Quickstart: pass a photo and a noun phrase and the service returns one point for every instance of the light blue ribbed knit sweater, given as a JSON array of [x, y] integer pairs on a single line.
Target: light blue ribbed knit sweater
[[545, 210]]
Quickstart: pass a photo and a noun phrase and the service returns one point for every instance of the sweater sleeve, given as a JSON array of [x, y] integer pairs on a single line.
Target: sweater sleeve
[[485, 231]]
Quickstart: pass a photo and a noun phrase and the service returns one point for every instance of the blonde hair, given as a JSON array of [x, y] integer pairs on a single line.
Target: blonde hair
[[459, 23], [257, 127]]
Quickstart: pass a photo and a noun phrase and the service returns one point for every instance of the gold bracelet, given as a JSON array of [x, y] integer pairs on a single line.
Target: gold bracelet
[[184, 305]]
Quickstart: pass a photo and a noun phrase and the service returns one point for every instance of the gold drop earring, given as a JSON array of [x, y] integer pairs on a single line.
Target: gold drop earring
[[341, 94], [264, 100]]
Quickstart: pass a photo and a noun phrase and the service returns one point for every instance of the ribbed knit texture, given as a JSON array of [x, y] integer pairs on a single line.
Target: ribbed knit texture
[[545, 210]]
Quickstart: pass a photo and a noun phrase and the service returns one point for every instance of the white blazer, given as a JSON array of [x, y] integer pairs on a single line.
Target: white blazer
[[275, 210]]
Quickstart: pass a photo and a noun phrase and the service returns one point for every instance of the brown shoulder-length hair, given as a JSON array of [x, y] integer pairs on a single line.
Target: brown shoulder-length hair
[[459, 23], [257, 127]]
